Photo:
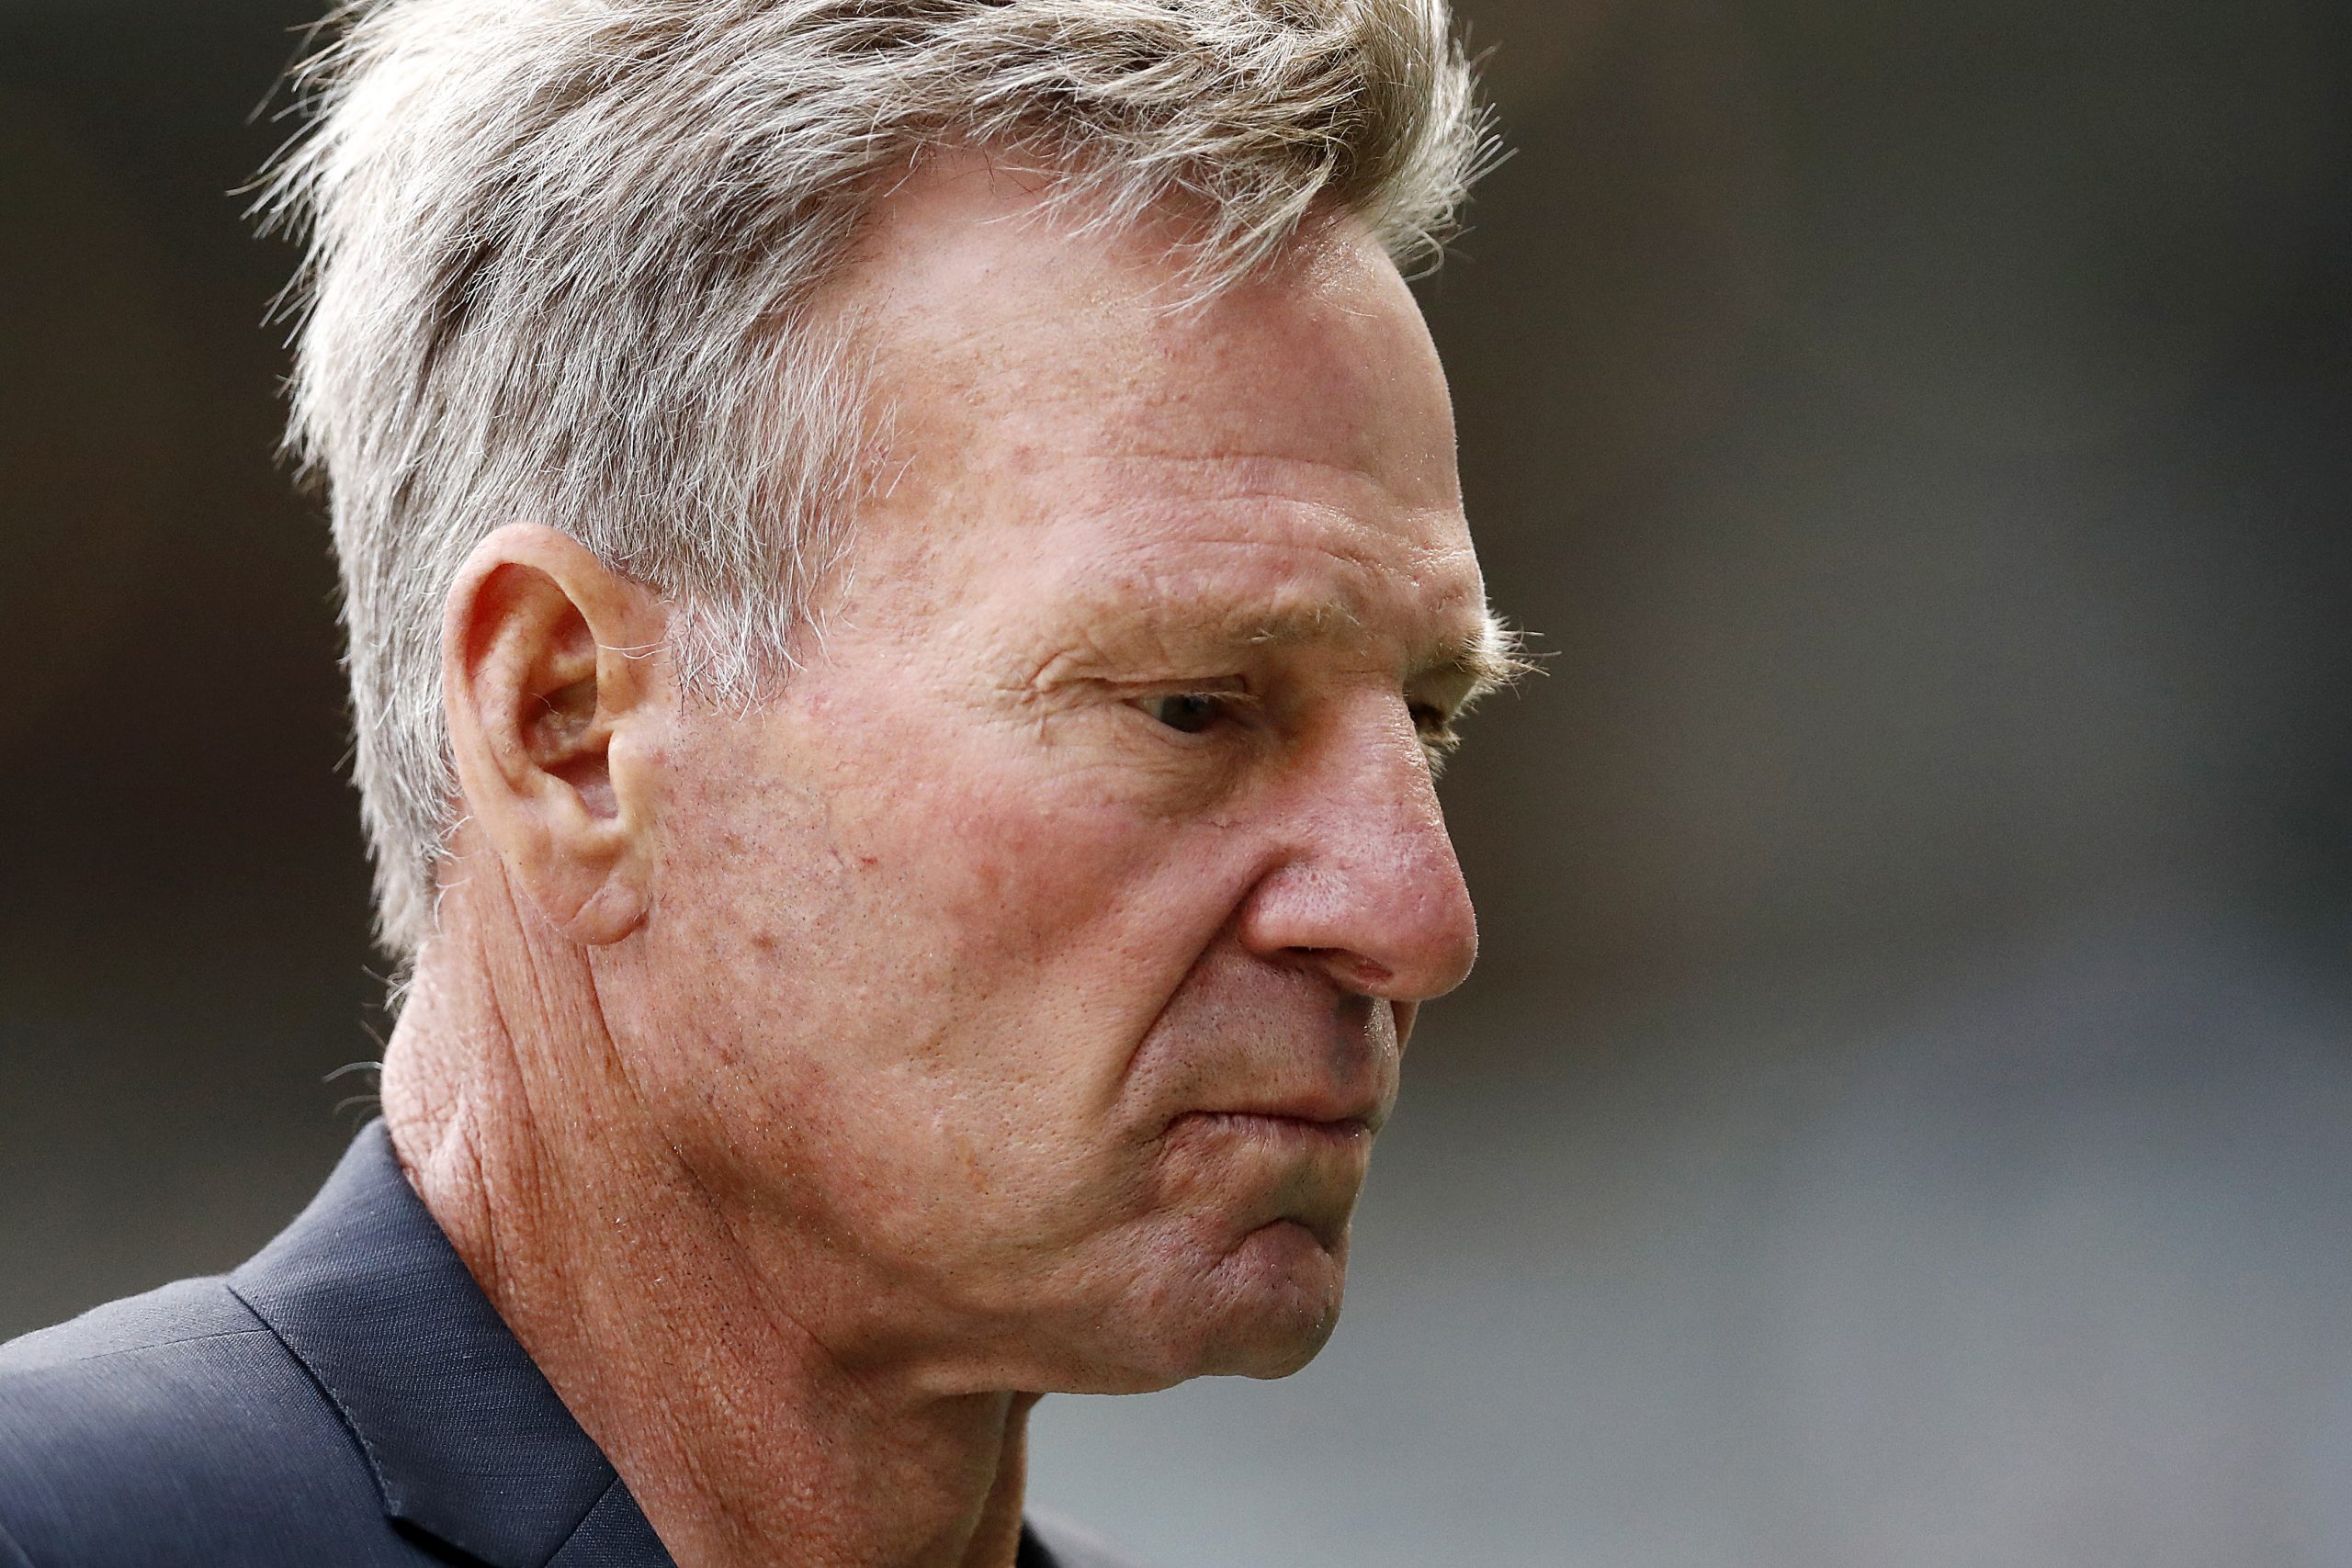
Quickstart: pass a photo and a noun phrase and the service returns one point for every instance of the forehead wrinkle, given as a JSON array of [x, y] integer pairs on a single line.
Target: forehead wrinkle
[[1121, 427], [1337, 577], [1382, 538], [1345, 508]]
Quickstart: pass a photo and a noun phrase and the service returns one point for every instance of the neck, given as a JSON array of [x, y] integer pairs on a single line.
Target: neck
[[719, 1369]]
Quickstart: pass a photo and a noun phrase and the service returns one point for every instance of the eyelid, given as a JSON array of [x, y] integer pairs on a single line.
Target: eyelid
[[1228, 688], [1221, 711]]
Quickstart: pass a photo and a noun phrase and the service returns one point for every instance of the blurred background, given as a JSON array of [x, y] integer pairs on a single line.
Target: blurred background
[[1904, 1115]]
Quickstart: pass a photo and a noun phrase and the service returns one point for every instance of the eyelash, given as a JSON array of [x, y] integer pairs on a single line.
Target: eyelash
[[1220, 706], [1435, 728], [1439, 739]]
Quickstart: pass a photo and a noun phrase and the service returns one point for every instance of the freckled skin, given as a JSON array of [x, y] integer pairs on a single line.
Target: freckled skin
[[994, 1020]]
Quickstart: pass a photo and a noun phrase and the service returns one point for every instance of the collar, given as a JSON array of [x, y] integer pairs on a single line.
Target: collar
[[467, 1441]]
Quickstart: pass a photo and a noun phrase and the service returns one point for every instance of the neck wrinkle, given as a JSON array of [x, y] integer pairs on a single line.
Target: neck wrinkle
[[680, 1348]]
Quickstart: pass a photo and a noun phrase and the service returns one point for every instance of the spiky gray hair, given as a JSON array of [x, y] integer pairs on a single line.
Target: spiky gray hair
[[563, 254]]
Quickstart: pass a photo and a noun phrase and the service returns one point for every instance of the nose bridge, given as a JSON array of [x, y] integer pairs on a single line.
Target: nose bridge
[[1376, 836]]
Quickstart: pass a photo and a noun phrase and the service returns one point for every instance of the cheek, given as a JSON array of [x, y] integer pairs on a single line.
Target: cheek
[[962, 909], [1040, 936], [1010, 875], [933, 966], [1029, 880]]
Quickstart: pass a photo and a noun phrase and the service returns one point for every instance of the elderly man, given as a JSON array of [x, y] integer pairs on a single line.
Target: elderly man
[[906, 580]]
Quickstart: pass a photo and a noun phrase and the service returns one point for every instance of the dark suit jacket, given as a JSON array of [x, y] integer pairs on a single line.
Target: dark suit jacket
[[347, 1399]]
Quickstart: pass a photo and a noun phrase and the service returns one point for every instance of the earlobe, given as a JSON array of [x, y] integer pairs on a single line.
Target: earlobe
[[547, 677]]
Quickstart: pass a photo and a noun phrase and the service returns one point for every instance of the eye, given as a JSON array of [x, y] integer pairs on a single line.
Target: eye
[[1189, 713]]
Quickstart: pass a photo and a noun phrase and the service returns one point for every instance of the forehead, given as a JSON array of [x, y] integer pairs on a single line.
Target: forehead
[[1289, 440]]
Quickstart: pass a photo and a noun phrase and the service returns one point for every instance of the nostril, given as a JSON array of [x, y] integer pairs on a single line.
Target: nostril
[[1364, 978]]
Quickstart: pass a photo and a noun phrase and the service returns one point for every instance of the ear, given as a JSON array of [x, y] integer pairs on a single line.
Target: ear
[[550, 690]]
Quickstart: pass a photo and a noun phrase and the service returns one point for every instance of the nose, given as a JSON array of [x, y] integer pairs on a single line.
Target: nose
[[1368, 887]]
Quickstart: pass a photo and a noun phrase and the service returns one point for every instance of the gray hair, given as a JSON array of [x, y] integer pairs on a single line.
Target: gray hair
[[563, 256]]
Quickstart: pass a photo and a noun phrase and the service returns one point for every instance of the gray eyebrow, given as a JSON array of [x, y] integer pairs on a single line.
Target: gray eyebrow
[[1476, 664], [1305, 622], [1485, 663]]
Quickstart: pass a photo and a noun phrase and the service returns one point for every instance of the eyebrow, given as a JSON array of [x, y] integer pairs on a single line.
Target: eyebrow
[[1482, 664], [1475, 666]]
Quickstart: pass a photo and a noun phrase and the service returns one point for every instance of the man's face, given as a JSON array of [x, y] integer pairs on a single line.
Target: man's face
[[1045, 950]]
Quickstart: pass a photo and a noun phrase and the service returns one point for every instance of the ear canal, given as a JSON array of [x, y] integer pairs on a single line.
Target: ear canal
[[564, 723]]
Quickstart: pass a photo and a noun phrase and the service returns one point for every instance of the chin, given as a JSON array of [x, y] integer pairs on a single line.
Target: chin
[[1262, 1310]]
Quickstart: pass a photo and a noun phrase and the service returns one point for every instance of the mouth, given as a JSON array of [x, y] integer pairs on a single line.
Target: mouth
[[1286, 1127]]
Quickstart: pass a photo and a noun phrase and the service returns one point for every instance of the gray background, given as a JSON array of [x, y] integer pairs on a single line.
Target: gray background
[[1901, 1117]]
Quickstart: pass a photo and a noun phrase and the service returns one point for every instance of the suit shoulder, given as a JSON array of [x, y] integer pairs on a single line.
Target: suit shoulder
[[176, 1427], [180, 1313]]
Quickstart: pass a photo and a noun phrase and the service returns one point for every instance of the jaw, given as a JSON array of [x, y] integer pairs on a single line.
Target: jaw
[[1261, 1305]]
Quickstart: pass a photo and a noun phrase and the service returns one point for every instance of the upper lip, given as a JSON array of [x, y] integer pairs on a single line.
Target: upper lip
[[1321, 1109]]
